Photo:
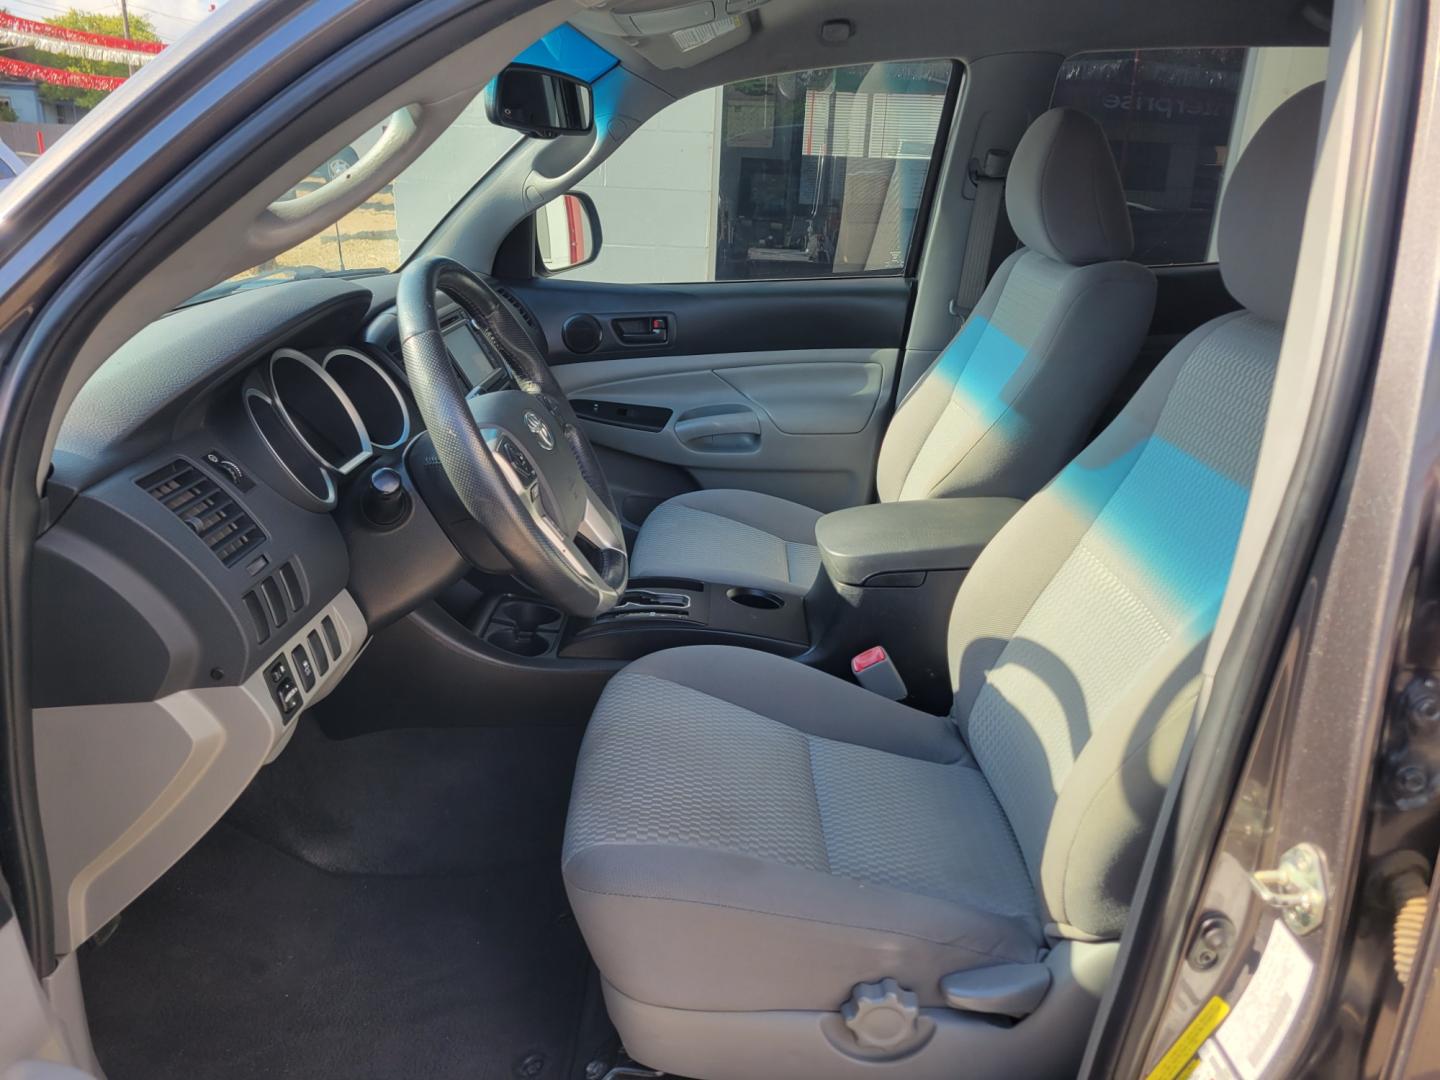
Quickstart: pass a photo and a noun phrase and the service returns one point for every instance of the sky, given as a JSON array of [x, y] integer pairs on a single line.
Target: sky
[[171, 18]]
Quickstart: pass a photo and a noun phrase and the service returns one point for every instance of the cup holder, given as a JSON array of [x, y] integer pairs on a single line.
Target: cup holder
[[527, 614], [523, 627], [758, 599], [519, 642]]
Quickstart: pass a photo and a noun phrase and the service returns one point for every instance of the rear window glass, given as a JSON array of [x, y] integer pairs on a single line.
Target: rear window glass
[[1177, 120]]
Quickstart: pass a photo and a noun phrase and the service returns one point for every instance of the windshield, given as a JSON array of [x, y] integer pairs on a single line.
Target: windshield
[[379, 234]]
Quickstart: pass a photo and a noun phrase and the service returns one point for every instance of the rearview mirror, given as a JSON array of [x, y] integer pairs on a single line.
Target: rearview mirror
[[540, 103], [567, 232]]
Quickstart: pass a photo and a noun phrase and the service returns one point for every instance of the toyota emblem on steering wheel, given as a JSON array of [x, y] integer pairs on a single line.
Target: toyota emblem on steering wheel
[[540, 430]]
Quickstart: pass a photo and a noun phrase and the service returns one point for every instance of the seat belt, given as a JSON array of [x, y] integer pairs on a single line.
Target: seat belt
[[986, 236]]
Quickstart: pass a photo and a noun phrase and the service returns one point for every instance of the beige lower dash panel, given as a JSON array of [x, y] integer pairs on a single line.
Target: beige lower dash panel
[[127, 789]]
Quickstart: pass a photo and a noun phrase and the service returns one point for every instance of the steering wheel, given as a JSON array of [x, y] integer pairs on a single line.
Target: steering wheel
[[517, 459]]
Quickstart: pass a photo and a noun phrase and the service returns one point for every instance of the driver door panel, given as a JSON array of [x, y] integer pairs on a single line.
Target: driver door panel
[[801, 424], [782, 387]]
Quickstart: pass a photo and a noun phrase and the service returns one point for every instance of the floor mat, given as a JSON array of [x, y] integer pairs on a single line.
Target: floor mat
[[383, 906], [416, 800]]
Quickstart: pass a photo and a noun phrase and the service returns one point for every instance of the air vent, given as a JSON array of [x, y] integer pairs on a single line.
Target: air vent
[[514, 301], [272, 603], [206, 510]]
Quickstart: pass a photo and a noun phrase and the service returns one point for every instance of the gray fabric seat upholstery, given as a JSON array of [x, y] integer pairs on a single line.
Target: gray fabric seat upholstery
[[782, 789], [730, 536], [1006, 403], [750, 839]]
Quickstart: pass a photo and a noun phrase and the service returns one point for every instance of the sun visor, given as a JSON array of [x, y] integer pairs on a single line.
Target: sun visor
[[674, 35]]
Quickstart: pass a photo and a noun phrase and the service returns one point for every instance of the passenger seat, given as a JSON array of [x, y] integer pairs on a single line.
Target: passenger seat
[[1005, 405]]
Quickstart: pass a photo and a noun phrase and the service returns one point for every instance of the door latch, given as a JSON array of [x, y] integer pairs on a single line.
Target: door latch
[[1296, 887], [642, 329]]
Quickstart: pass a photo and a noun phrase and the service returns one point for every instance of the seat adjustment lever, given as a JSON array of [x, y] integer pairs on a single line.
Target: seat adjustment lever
[[1014, 990]]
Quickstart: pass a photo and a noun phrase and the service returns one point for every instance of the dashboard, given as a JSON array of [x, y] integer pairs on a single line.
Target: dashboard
[[206, 572], [209, 458]]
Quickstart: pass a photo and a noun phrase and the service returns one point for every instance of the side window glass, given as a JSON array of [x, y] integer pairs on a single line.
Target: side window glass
[[811, 174], [1177, 120]]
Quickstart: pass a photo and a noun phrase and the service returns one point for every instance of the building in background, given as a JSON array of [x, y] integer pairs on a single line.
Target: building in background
[[53, 72], [802, 175], [21, 101]]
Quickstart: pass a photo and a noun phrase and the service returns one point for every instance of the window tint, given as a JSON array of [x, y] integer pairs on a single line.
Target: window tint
[[1177, 120], [809, 174]]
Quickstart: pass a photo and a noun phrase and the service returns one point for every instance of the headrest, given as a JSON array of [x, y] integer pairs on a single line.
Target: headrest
[[1263, 209], [1063, 193]]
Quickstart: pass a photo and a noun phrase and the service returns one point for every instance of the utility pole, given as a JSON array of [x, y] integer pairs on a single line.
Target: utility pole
[[125, 20]]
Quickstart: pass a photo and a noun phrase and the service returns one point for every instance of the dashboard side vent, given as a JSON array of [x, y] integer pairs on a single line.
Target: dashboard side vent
[[206, 509], [272, 603], [515, 304]]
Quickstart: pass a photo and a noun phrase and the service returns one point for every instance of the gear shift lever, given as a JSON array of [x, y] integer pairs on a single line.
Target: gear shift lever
[[652, 600]]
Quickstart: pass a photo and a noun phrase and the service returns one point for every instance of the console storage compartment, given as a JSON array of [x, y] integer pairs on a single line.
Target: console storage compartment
[[891, 543]]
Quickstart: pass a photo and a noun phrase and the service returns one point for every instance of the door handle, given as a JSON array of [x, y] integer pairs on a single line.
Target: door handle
[[642, 329]]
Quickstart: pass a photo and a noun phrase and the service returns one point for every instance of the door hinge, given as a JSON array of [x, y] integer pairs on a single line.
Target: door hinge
[[1296, 887]]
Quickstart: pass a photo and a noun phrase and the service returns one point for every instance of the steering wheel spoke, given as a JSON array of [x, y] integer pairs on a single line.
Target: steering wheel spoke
[[598, 527]]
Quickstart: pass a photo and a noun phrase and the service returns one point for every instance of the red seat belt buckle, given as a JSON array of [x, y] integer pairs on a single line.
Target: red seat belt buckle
[[874, 670]]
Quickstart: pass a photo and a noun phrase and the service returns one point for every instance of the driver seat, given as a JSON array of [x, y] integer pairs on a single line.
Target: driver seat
[[781, 874]]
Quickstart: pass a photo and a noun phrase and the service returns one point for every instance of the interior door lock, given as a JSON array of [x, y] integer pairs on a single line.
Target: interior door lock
[[1296, 887]]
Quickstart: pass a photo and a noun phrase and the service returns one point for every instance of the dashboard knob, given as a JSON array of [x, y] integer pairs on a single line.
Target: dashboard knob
[[386, 500]]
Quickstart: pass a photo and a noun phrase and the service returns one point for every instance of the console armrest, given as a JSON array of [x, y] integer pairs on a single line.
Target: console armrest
[[862, 542]]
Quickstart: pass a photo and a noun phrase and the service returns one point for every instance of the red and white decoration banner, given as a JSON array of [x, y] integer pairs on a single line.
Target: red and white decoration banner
[[78, 80], [81, 44]]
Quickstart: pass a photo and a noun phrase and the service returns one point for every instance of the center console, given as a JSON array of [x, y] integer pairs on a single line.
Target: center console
[[653, 614], [890, 575], [891, 572]]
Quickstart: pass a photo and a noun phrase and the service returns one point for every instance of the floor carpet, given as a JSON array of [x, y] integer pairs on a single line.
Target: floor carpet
[[383, 906]]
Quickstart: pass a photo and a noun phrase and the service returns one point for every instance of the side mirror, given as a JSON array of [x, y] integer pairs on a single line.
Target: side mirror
[[567, 232], [540, 103]]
